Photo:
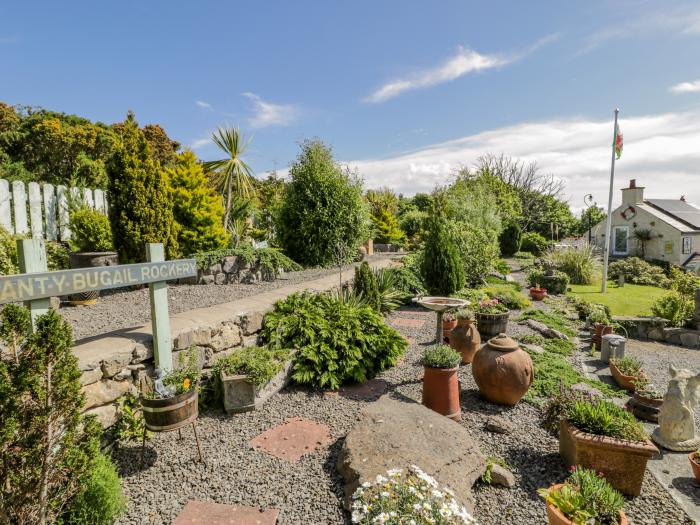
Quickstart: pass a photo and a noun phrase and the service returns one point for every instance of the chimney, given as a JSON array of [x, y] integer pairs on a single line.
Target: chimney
[[683, 198], [632, 195]]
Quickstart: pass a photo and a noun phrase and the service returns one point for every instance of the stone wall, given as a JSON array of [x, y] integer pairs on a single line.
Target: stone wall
[[655, 329], [232, 269]]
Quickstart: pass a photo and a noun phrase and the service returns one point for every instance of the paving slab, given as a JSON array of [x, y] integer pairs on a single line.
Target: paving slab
[[408, 322], [208, 513], [370, 390], [293, 438]]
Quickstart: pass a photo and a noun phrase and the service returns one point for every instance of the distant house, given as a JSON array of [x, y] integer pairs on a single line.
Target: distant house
[[669, 229]]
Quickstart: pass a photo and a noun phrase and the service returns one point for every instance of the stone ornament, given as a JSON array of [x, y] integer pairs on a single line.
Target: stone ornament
[[676, 430]]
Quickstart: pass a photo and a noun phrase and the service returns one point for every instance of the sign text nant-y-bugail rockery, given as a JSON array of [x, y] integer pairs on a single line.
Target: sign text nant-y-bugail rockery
[[30, 286]]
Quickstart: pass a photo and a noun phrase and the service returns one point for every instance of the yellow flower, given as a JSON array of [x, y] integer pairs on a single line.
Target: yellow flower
[[186, 384]]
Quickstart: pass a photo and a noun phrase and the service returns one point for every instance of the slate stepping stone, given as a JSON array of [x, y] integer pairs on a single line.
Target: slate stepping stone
[[207, 513], [293, 438], [409, 322], [371, 389]]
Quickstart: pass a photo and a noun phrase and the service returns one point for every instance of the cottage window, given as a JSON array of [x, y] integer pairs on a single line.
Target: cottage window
[[687, 245]]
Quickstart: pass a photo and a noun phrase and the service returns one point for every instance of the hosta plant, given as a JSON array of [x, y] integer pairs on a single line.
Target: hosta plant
[[403, 497]]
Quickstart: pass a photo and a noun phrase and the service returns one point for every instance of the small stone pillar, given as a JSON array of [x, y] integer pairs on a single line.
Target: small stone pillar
[[697, 308]]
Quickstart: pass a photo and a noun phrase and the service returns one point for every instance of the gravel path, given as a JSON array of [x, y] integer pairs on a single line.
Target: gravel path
[[309, 492], [124, 308]]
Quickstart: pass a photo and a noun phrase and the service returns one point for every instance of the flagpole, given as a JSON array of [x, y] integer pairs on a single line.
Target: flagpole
[[608, 225]]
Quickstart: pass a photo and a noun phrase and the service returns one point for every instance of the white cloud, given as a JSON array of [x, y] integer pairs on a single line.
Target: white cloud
[[203, 105], [199, 143], [268, 114], [686, 87], [464, 62], [660, 152]]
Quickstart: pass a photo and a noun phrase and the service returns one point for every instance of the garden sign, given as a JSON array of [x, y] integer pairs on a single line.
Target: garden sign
[[36, 286]]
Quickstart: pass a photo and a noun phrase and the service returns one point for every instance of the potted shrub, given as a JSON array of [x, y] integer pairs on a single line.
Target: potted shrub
[[600, 435], [694, 458], [585, 497], [465, 339], [91, 246], [537, 293], [646, 401], [248, 377], [440, 381], [627, 372], [491, 317]]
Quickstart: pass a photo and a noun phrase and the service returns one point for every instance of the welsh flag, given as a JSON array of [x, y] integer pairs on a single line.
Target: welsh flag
[[618, 142]]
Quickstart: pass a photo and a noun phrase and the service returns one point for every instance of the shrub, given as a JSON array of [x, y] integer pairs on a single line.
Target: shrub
[[8, 253], [102, 501], [386, 229], [390, 296], [683, 282], [509, 240], [555, 284], [267, 259], [441, 269], [638, 271], [57, 256], [198, 212], [337, 342], [677, 308], [365, 285], [507, 295], [40, 392], [477, 249], [586, 497], [90, 231], [259, 363], [579, 264], [407, 280], [323, 215], [502, 267], [440, 356], [604, 418], [412, 223], [140, 206], [593, 311], [534, 243]]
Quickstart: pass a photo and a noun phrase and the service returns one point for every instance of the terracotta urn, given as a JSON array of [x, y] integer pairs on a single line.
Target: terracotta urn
[[695, 465], [441, 391], [502, 370], [538, 294], [600, 331], [465, 339], [557, 517]]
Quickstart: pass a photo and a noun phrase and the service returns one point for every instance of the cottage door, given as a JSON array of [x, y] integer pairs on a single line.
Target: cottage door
[[620, 240]]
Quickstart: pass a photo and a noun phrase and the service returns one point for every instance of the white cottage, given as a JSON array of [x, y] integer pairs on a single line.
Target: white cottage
[[661, 229]]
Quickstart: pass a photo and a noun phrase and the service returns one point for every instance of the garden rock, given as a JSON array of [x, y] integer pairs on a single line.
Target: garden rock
[[586, 389], [104, 392], [535, 349], [396, 434], [498, 425], [545, 330], [230, 264], [251, 322], [501, 476]]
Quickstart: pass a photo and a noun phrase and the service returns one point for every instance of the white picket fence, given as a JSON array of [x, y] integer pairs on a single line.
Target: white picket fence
[[42, 210]]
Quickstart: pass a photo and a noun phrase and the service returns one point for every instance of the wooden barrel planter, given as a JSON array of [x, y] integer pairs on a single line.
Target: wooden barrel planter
[[173, 413], [490, 325], [644, 407]]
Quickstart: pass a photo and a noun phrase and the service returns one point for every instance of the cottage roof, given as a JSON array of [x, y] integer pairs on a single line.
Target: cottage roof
[[688, 215]]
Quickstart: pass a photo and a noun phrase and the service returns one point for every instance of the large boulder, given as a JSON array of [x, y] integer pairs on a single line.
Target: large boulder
[[398, 434]]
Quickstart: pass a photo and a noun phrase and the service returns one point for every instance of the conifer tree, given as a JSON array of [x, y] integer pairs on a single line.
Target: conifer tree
[[197, 211], [441, 266], [47, 447], [140, 205], [365, 285]]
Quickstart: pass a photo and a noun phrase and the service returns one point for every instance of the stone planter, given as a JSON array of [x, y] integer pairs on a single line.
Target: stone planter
[[465, 339], [490, 325], [441, 391], [90, 260], [623, 381], [646, 408], [538, 294], [622, 462], [695, 465], [556, 517], [240, 395], [502, 370]]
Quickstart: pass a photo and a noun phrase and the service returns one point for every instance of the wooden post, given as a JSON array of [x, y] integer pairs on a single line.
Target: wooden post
[[32, 259], [160, 322]]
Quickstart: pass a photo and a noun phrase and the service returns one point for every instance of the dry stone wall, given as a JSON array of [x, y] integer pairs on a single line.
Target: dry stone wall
[[233, 269]]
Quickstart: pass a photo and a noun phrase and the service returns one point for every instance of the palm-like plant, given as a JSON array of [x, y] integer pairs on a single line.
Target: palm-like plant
[[231, 175]]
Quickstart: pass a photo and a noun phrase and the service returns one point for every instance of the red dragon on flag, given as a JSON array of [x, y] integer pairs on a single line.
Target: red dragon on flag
[[618, 142]]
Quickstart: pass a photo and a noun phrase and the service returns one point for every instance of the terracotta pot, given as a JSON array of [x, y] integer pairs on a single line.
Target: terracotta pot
[[556, 517], [600, 331], [502, 370], [449, 324], [441, 391], [538, 294], [465, 339], [695, 465], [490, 325], [622, 462], [623, 381]]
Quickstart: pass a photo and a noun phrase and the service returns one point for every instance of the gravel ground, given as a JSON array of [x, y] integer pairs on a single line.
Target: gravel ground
[[309, 492], [124, 308]]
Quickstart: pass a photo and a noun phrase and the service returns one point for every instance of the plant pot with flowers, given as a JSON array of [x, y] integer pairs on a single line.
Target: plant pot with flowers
[[627, 372], [694, 458], [491, 317], [91, 246], [537, 293], [449, 323], [440, 380], [585, 497], [598, 434]]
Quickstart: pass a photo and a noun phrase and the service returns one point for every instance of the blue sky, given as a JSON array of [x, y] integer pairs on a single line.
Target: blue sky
[[404, 91]]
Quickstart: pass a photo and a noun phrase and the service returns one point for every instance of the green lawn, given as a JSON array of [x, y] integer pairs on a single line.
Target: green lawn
[[632, 299]]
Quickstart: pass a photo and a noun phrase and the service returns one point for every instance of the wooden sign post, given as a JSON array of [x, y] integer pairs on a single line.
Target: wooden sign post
[[35, 286]]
